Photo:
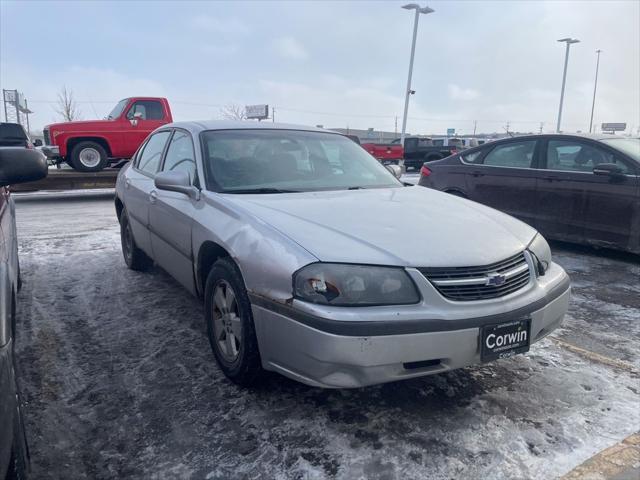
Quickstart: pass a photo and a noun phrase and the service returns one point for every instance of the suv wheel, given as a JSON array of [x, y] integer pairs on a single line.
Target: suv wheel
[[89, 157], [230, 324], [135, 258]]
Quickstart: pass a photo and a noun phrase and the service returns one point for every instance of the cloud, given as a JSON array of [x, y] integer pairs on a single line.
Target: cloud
[[289, 47], [459, 93], [219, 25]]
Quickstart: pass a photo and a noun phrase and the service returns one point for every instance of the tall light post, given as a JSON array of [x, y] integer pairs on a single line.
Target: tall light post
[[568, 41], [408, 91], [595, 86]]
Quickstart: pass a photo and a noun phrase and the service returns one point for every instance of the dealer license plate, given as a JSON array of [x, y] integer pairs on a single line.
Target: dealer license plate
[[505, 339]]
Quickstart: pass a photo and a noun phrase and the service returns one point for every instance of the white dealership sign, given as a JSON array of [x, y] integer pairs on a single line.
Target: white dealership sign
[[259, 112]]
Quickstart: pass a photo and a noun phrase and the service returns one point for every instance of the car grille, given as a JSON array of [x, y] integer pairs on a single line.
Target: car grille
[[480, 283], [47, 139]]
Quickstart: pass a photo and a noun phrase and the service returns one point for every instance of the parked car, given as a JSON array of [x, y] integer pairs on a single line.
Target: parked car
[[418, 150], [386, 153], [583, 189], [299, 243], [90, 146], [14, 135], [17, 165]]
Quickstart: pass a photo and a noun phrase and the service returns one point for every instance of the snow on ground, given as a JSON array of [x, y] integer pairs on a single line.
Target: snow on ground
[[119, 380]]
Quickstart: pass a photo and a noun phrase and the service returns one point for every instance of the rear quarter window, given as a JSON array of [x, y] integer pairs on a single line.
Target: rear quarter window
[[473, 157]]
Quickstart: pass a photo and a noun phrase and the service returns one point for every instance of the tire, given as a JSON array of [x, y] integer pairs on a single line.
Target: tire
[[238, 358], [135, 258], [89, 157], [19, 459], [456, 193]]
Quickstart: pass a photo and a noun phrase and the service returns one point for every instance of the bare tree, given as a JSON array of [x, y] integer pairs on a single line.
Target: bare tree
[[67, 107], [233, 112]]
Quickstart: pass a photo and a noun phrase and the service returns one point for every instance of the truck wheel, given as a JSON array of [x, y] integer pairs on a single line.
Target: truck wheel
[[230, 324], [89, 157], [135, 258]]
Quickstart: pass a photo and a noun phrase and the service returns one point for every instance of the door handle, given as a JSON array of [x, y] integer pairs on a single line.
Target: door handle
[[153, 196], [127, 183], [477, 174]]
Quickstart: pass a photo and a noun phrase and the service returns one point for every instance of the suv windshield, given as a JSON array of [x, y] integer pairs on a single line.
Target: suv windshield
[[12, 135], [275, 161], [117, 110], [630, 146]]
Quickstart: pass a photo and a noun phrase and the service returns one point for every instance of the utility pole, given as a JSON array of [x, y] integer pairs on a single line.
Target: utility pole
[[475, 124], [568, 41], [595, 86], [408, 91], [541, 127], [395, 130]]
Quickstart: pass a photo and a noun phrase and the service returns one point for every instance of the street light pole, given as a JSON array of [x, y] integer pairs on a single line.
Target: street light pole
[[408, 91], [568, 41], [595, 86]]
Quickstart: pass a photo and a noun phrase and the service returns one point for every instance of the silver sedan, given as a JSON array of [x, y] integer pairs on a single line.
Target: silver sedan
[[315, 261]]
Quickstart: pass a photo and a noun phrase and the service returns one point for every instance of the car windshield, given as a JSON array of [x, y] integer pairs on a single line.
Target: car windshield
[[630, 146], [117, 110], [275, 161]]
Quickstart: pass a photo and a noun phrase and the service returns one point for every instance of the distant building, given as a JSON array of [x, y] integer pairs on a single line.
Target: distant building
[[369, 135]]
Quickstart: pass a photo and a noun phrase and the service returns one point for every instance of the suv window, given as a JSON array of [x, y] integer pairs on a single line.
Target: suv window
[[13, 135], [180, 156], [576, 156], [149, 109], [513, 154], [149, 158]]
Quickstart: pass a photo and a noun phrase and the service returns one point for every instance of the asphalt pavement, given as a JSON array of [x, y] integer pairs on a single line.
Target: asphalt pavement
[[119, 381]]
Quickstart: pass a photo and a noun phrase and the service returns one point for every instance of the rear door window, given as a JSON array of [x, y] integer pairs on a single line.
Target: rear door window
[[513, 154], [149, 158]]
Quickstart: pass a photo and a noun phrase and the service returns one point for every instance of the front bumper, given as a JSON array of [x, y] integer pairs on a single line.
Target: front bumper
[[51, 151], [324, 352]]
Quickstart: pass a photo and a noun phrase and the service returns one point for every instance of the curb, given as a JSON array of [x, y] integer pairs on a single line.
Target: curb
[[620, 462]]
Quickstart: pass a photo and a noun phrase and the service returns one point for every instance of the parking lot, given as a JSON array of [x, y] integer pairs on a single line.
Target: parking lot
[[118, 379]]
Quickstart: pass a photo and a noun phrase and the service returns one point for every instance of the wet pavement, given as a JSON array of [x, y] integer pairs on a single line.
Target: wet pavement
[[119, 380]]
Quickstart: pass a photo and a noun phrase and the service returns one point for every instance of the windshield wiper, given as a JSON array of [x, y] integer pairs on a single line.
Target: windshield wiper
[[260, 190]]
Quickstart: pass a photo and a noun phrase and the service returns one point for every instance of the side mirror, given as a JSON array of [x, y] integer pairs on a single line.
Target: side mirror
[[608, 169], [21, 165], [136, 116], [396, 170], [176, 182], [37, 142]]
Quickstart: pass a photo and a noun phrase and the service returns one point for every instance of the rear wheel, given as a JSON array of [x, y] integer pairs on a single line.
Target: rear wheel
[[135, 258], [89, 157], [230, 324]]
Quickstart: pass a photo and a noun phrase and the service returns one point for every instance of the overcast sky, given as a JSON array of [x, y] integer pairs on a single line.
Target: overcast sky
[[337, 64]]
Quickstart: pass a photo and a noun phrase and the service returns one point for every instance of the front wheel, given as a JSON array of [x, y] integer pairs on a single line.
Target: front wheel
[[230, 324], [89, 157]]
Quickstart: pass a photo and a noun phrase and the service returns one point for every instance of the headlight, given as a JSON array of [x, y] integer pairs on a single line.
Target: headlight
[[354, 285], [539, 248]]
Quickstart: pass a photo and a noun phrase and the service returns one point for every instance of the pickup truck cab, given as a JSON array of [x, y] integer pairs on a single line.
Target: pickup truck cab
[[92, 145], [418, 150]]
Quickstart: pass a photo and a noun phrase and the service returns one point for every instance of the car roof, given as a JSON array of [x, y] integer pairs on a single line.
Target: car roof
[[590, 136], [200, 126]]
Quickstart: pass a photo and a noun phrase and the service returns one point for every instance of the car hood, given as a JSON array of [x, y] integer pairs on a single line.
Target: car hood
[[79, 124], [410, 226]]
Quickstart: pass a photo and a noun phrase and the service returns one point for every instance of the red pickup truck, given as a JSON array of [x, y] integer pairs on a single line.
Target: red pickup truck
[[387, 153], [90, 146]]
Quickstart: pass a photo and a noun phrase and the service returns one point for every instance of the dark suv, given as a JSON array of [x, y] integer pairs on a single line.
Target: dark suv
[[14, 135], [16, 165], [577, 188]]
